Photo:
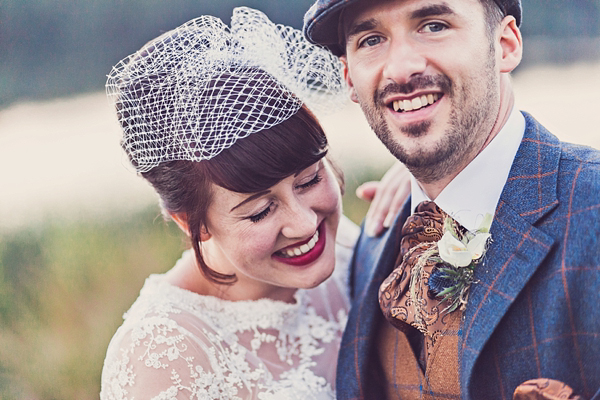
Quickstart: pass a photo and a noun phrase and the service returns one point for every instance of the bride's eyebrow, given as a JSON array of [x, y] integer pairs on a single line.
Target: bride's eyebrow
[[254, 196]]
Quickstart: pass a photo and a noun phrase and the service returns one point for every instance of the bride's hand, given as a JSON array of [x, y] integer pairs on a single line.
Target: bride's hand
[[386, 196]]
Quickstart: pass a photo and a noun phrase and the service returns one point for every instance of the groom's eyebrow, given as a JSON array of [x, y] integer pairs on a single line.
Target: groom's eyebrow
[[362, 26], [253, 197], [432, 11]]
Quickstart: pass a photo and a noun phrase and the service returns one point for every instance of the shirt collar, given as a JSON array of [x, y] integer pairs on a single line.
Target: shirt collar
[[476, 190]]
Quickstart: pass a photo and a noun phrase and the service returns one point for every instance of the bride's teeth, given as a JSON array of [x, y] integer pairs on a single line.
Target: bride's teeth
[[305, 248]]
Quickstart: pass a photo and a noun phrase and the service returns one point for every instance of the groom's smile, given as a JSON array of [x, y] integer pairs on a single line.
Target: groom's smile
[[425, 75], [414, 103]]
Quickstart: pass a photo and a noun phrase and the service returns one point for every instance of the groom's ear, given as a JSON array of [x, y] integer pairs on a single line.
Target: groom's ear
[[348, 79], [511, 44]]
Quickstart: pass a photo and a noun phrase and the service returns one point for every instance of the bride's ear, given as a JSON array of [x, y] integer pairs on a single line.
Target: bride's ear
[[182, 222], [204, 234]]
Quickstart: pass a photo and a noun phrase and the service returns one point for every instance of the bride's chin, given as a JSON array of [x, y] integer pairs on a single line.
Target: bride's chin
[[325, 269]]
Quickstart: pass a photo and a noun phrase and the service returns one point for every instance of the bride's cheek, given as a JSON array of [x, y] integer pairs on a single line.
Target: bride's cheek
[[333, 196], [261, 242]]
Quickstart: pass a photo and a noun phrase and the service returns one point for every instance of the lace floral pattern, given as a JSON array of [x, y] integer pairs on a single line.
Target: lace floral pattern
[[176, 344]]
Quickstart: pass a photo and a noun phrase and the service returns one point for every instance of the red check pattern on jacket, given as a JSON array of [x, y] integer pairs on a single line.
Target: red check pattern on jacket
[[534, 312]]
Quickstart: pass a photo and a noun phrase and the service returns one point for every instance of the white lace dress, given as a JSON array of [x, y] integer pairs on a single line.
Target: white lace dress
[[176, 344]]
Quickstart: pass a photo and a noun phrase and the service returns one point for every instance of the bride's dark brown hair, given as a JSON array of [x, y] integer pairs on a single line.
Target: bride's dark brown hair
[[251, 165]]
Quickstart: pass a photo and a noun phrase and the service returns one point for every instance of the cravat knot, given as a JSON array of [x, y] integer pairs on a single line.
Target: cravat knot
[[433, 272]]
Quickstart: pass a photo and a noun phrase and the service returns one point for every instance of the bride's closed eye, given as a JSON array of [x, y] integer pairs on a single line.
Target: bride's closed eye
[[315, 180], [259, 216]]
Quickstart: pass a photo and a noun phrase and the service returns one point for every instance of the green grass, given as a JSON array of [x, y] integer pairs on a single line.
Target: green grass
[[64, 287]]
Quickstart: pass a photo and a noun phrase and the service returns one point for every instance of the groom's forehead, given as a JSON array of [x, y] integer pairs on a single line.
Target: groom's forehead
[[322, 20]]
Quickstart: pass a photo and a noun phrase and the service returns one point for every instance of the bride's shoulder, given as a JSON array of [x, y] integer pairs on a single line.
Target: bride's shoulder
[[162, 346], [347, 233]]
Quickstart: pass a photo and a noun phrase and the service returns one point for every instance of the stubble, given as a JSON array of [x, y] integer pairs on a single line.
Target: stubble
[[470, 122]]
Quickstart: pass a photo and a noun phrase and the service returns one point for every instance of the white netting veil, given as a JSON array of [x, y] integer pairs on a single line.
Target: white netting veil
[[195, 90]]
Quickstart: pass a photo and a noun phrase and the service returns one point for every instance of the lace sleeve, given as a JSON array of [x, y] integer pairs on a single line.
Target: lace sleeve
[[161, 357]]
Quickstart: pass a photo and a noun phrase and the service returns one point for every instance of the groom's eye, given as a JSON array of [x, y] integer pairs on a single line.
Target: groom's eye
[[370, 41]]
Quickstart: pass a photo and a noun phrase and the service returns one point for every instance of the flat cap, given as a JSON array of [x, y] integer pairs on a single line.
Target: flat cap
[[322, 19]]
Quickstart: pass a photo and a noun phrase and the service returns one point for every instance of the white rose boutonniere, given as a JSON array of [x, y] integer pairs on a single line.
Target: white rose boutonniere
[[458, 254]]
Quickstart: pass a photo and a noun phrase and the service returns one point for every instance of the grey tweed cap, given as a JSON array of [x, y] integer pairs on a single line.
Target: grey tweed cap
[[321, 20]]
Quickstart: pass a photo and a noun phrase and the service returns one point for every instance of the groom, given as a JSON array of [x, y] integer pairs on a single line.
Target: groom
[[432, 78]]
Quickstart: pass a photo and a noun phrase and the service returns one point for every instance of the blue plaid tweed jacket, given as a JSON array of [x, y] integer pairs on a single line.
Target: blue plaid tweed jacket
[[535, 311]]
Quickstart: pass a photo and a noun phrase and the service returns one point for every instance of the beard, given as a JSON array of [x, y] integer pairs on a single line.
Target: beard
[[474, 108]]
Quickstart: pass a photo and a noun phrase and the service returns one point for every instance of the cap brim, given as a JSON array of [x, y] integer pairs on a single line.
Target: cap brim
[[323, 28]]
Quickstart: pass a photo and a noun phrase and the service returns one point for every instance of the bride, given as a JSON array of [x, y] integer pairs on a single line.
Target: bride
[[217, 120]]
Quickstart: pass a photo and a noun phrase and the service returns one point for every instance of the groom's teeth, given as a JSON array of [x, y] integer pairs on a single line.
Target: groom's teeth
[[416, 103], [305, 248]]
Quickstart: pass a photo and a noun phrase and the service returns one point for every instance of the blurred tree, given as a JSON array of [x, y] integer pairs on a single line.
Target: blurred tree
[[560, 18], [58, 48]]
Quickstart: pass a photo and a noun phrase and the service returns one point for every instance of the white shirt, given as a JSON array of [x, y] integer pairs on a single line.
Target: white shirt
[[476, 190]]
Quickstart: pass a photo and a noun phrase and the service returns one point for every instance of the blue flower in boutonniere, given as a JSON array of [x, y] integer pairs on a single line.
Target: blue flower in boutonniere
[[459, 253]]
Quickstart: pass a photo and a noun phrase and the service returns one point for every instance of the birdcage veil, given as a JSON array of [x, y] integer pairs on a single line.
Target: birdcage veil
[[192, 92]]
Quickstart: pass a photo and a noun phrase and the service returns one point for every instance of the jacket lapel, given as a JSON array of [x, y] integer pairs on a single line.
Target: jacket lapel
[[518, 247], [374, 260]]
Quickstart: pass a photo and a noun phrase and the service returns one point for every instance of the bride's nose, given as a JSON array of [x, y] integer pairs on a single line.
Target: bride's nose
[[300, 222]]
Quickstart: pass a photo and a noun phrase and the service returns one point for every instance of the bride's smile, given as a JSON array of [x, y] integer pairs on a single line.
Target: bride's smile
[[277, 241]]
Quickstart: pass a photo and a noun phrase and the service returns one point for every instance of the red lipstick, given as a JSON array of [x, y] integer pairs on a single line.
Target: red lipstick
[[308, 257]]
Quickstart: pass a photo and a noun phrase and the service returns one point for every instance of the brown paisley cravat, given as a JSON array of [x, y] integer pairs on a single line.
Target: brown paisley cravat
[[422, 309]]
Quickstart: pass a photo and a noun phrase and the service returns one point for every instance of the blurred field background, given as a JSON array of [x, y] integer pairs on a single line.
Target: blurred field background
[[79, 231]]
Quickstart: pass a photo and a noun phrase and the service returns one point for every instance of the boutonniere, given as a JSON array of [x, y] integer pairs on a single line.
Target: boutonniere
[[457, 254]]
